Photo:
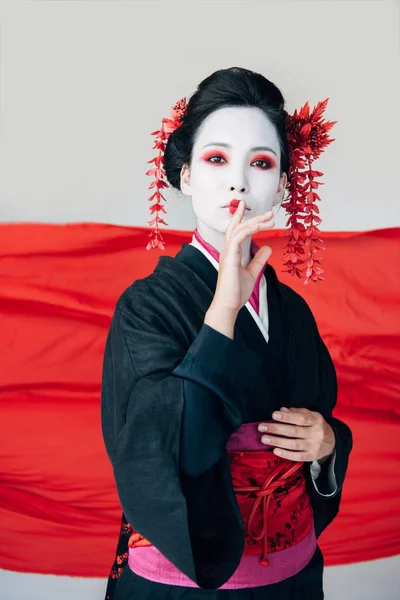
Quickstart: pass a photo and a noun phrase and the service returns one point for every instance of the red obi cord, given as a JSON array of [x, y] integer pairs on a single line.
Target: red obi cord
[[271, 488]]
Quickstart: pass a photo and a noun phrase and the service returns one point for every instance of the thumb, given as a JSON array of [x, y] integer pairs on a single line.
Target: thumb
[[260, 258]]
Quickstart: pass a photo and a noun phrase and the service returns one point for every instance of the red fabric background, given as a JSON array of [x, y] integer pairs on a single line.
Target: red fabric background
[[59, 510]]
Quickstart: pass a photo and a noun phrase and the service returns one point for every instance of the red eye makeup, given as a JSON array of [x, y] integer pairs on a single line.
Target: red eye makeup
[[271, 162], [209, 155]]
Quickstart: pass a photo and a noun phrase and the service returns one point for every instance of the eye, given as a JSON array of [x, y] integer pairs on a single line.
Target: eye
[[268, 164], [213, 161]]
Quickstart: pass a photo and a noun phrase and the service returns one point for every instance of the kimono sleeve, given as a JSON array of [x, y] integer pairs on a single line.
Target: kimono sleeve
[[327, 402], [205, 429], [194, 522], [326, 504], [328, 479]]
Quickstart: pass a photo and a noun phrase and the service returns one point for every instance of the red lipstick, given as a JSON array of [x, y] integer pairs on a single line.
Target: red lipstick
[[233, 206]]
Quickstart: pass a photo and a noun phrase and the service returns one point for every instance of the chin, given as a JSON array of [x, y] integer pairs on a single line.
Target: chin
[[219, 227]]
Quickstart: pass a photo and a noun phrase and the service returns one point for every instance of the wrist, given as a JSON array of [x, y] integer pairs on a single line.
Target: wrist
[[323, 459], [330, 445], [221, 318]]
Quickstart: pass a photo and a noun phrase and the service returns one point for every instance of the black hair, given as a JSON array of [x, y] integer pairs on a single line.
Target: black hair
[[234, 86]]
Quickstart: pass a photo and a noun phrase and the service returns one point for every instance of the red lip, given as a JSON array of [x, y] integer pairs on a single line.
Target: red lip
[[234, 204]]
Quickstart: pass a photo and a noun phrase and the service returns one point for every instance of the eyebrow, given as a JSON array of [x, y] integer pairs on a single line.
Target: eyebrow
[[254, 149]]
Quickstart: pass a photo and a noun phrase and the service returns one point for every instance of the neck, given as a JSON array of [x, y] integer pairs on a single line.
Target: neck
[[217, 240]]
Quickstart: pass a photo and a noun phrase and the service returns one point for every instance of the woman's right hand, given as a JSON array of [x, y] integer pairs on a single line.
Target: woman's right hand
[[235, 283]]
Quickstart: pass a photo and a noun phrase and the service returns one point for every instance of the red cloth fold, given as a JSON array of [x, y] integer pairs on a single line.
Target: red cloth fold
[[59, 509]]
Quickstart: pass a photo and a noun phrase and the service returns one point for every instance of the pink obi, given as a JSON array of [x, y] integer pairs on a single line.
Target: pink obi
[[269, 490]]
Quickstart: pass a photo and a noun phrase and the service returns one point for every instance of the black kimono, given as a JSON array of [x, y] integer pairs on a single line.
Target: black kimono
[[157, 348]]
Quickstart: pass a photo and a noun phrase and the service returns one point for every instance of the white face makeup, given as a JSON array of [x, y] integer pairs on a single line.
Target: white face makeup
[[219, 174]]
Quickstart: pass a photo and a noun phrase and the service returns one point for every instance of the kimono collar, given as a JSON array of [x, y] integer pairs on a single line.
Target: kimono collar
[[210, 250]]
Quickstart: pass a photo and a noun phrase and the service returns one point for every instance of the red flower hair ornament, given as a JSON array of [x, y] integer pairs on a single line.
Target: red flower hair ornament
[[307, 135]]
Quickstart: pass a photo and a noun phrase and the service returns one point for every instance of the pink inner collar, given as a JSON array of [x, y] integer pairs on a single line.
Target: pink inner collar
[[255, 296]]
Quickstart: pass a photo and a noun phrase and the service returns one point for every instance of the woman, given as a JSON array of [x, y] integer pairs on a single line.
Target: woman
[[202, 356]]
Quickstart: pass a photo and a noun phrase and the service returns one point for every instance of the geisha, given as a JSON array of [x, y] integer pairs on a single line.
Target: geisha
[[217, 389]]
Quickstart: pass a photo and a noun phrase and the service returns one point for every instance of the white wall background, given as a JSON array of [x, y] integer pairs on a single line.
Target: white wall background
[[83, 83]]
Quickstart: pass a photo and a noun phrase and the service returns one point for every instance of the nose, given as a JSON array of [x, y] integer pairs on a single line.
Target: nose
[[238, 179], [241, 189]]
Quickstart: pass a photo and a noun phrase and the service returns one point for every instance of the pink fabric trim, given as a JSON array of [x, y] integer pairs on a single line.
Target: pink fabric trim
[[247, 437], [149, 563], [255, 296]]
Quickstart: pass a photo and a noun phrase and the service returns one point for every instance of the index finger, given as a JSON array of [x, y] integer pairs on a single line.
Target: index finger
[[293, 416], [237, 215]]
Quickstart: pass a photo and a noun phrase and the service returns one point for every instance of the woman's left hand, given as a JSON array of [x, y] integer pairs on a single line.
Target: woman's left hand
[[308, 436]]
